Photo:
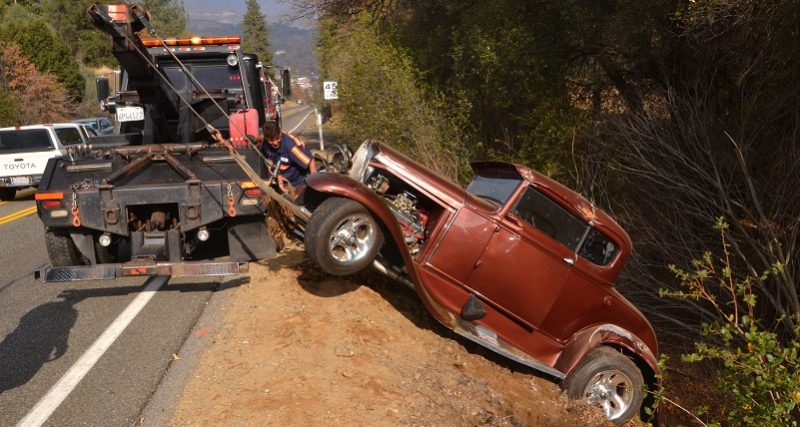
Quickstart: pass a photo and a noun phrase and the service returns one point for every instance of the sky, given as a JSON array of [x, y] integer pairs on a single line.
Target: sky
[[231, 11]]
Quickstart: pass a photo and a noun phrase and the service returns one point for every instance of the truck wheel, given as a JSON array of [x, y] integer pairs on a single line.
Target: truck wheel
[[610, 379], [62, 249], [7, 194], [342, 237]]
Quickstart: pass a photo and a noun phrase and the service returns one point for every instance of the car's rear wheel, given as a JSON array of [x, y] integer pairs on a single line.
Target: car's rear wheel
[[342, 237], [7, 194], [62, 249], [609, 379]]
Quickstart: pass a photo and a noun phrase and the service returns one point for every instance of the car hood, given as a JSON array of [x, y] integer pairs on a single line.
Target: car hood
[[420, 177]]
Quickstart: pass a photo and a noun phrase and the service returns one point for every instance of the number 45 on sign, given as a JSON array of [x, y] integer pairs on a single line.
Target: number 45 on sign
[[331, 90]]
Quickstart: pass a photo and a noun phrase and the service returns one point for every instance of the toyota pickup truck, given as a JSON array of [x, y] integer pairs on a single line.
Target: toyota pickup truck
[[25, 150]]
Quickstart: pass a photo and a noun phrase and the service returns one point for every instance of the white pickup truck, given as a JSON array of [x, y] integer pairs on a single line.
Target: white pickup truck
[[25, 150]]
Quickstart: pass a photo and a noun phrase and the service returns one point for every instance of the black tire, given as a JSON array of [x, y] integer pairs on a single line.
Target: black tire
[[610, 379], [7, 194], [342, 237], [62, 249]]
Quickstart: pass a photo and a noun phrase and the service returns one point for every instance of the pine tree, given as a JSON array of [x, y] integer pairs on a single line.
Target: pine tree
[[255, 32], [169, 16]]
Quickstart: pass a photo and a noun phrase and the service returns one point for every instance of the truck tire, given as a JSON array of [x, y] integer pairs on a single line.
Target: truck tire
[[7, 194], [611, 380], [342, 237], [62, 250]]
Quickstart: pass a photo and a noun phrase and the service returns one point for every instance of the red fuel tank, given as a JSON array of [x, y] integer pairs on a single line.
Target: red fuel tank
[[242, 123]]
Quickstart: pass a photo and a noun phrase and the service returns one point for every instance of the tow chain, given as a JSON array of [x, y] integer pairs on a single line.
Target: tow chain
[[76, 219], [231, 205]]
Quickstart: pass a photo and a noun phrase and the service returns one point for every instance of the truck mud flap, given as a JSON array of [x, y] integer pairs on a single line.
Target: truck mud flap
[[113, 271]]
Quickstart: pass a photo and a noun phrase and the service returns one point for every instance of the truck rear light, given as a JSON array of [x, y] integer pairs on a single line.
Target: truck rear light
[[51, 204], [253, 192], [104, 240], [61, 213]]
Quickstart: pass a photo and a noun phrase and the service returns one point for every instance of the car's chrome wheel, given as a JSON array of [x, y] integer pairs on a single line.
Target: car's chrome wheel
[[611, 380], [342, 237], [353, 239], [612, 390]]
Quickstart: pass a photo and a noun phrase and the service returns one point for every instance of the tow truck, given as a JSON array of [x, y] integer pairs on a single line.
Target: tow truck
[[177, 190]]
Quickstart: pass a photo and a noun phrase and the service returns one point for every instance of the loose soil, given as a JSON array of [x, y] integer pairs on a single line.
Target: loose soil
[[297, 347]]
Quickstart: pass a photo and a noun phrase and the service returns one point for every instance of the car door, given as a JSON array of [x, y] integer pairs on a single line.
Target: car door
[[529, 257]]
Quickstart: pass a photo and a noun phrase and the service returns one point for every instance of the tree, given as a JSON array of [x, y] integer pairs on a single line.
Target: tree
[[169, 16], [39, 97], [255, 32], [9, 114], [42, 45], [68, 17]]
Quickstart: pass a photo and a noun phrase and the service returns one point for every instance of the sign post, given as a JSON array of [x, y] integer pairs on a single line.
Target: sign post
[[331, 90]]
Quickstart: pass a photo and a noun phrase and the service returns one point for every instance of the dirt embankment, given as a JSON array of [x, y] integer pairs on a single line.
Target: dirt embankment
[[296, 347]]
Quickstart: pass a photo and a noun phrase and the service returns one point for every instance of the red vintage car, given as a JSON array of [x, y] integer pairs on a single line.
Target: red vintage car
[[516, 263]]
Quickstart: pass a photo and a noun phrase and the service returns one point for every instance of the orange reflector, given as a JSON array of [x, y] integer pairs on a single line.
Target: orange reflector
[[192, 41], [49, 196], [246, 185]]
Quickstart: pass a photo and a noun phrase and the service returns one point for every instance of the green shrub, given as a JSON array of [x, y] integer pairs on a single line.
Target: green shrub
[[756, 367], [382, 98]]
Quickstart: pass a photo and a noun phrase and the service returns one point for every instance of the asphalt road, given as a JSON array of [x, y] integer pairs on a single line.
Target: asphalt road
[[46, 328]]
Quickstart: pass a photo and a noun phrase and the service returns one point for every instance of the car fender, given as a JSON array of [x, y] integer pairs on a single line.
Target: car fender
[[588, 339], [343, 186]]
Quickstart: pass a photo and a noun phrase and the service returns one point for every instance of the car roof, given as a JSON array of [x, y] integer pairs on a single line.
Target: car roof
[[26, 127], [577, 203]]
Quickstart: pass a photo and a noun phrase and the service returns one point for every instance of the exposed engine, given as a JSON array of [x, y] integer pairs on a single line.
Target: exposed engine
[[403, 205]]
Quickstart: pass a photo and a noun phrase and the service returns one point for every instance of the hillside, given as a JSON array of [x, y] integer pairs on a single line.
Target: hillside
[[296, 43]]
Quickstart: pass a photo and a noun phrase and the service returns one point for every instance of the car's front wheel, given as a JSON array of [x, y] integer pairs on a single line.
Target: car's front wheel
[[611, 380], [342, 237]]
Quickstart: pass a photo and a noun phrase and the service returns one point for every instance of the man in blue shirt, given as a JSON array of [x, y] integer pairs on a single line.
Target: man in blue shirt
[[293, 160]]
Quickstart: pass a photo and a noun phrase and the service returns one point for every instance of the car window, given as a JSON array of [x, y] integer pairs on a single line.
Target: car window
[[494, 188], [598, 248], [550, 218], [25, 140], [69, 136]]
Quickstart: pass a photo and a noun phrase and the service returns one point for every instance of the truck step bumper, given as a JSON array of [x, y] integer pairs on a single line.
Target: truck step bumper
[[112, 271]]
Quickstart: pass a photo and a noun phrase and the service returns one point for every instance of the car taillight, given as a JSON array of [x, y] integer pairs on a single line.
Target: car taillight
[[253, 192], [51, 204]]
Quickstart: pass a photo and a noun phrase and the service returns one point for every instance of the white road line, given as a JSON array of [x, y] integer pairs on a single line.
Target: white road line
[[301, 121], [42, 411]]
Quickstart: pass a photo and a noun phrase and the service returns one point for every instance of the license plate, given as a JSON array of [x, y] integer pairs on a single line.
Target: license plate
[[20, 180], [130, 114]]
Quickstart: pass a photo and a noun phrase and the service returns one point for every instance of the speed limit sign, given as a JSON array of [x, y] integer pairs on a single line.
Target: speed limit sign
[[331, 90]]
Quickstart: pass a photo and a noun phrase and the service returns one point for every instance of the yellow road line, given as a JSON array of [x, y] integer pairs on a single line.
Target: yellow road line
[[17, 215]]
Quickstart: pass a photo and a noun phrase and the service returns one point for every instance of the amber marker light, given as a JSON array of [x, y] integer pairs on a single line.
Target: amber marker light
[[49, 196]]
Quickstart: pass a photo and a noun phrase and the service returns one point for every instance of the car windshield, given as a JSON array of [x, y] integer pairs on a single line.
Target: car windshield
[[497, 189], [69, 136], [25, 140]]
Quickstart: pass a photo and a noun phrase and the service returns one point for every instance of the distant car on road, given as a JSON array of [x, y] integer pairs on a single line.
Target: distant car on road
[[101, 125]]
